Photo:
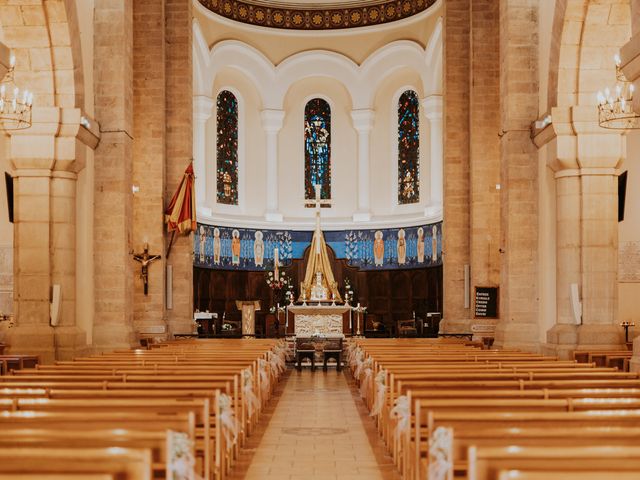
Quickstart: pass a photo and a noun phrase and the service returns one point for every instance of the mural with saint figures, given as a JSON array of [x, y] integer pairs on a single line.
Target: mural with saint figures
[[377, 249]]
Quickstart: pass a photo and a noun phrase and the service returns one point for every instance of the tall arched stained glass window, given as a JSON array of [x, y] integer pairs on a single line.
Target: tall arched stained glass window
[[317, 148], [227, 148], [408, 148]]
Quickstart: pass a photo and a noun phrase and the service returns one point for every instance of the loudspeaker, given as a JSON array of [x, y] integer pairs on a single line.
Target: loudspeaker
[[169, 299], [8, 180], [622, 194], [467, 287], [54, 306], [576, 304]]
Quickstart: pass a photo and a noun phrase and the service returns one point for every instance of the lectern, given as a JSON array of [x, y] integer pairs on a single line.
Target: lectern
[[248, 309]]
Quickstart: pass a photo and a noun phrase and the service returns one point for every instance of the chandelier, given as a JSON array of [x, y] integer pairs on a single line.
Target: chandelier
[[615, 110], [15, 105]]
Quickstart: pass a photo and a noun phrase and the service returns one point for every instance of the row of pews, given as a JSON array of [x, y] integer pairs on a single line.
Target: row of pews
[[447, 409], [179, 411]]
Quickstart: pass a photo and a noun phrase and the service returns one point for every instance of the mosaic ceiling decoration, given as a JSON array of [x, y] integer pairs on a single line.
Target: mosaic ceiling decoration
[[305, 15]]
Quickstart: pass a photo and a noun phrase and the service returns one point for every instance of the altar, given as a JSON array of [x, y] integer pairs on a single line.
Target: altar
[[307, 320]]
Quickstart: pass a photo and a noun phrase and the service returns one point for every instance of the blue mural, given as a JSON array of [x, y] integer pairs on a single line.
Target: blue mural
[[382, 249]]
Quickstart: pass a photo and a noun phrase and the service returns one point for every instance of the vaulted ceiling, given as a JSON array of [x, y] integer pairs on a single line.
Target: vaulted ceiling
[[314, 15]]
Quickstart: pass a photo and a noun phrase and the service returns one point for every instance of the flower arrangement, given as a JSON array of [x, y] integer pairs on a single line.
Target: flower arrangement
[[348, 290], [227, 327], [278, 282]]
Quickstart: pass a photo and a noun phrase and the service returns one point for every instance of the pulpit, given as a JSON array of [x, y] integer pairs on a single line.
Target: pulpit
[[248, 309]]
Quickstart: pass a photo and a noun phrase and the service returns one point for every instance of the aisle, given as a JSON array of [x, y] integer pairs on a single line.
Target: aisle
[[318, 430]]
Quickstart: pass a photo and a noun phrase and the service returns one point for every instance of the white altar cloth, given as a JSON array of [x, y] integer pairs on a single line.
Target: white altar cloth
[[314, 319]]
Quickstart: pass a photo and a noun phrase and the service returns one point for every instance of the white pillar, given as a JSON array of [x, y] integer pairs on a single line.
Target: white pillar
[[432, 108], [202, 111], [363, 123], [272, 123]]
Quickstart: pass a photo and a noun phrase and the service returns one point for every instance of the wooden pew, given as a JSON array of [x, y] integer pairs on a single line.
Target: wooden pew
[[486, 463], [120, 463]]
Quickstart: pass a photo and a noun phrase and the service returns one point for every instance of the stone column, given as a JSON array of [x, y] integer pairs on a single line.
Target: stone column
[[432, 107], [272, 123], [179, 144], [114, 267], [363, 123], [32, 243], [455, 236], [600, 152], [149, 156], [202, 111], [518, 326]]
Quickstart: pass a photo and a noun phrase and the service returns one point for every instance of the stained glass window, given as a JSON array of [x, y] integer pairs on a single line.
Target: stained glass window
[[227, 148], [408, 148], [317, 148]]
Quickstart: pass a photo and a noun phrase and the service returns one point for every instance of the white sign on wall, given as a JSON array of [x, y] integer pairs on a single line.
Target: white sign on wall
[[629, 262]]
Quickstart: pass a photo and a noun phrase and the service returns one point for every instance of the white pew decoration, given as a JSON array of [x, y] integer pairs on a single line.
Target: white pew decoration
[[181, 461], [265, 379], [251, 400], [228, 419], [360, 365], [277, 360], [400, 412], [381, 390], [441, 454], [366, 377]]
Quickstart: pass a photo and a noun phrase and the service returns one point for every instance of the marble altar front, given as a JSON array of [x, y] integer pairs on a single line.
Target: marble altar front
[[319, 319]]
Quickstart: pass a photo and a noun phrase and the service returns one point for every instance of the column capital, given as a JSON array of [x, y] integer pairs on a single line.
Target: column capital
[[363, 119], [203, 107], [272, 120], [432, 107]]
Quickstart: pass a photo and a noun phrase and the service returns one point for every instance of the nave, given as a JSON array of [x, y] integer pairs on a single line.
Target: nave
[[317, 427]]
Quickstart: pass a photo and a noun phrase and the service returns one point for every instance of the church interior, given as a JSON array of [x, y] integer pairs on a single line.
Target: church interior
[[285, 239]]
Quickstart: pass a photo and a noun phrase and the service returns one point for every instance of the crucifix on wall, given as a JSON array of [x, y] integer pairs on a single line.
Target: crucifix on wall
[[145, 260]]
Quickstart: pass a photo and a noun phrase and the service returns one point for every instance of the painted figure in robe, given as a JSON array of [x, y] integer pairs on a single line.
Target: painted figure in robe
[[420, 245], [202, 240], [235, 247], [378, 249], [258, 249], [434, 244], [216, 246], [402, 247]]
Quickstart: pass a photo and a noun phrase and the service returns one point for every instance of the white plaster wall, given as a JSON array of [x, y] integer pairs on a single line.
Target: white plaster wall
[[629, 229], [251, 140], [384, 146], [343, 150]]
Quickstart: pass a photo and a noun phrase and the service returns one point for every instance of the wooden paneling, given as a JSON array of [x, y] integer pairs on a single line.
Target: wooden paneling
[[389, 295]]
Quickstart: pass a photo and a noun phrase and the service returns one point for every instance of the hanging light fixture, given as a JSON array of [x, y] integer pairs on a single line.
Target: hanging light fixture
[[15, 104], [615, 110]]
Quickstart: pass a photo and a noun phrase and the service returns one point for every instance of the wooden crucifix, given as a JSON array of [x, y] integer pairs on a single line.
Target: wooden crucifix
[[145, 260]]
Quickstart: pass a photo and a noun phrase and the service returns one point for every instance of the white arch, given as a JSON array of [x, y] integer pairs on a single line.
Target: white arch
[[433, 60], [200, 51], [361, 81]]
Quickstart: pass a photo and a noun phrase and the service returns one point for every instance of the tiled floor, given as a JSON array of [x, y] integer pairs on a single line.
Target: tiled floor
[[315, 428]]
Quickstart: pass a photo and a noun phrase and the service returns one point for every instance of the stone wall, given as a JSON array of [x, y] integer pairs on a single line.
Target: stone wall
[[472, 157], [179, 145]]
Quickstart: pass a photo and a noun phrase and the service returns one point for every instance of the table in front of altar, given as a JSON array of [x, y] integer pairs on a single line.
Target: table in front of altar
[[307, 320]]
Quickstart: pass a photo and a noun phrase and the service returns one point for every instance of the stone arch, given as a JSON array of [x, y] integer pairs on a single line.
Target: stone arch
[[585, 36], [44, 36]]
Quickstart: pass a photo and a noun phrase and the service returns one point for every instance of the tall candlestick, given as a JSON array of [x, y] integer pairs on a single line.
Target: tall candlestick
[[276, 262]]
